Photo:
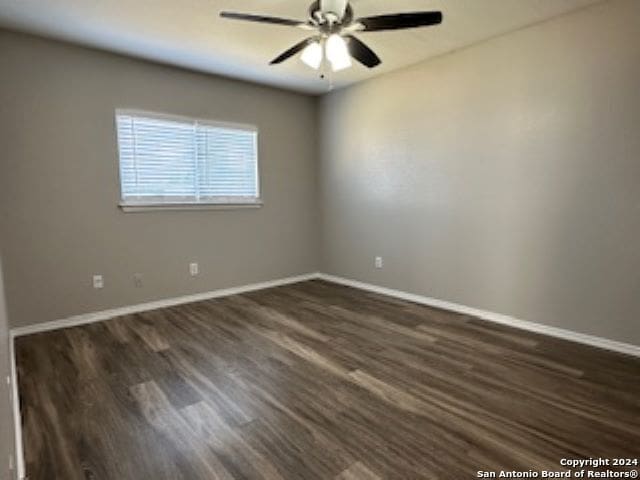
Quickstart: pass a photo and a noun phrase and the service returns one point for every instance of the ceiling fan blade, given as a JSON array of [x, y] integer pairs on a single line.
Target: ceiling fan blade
[[361, 52], [298, 47], [399, 21], [265, 19]]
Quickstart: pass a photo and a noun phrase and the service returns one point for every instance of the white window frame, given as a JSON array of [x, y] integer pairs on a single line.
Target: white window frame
[[145, 204]]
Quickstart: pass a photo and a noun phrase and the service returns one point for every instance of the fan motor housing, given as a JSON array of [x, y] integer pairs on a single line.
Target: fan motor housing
[[329, 15]]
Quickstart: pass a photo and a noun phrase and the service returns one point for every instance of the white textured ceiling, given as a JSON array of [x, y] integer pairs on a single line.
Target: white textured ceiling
[[189, 33]]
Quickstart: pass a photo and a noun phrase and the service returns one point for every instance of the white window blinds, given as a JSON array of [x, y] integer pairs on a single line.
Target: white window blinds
[[172, 160]]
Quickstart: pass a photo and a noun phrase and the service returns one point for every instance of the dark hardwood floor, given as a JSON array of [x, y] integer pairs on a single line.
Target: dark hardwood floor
[[316, 381]]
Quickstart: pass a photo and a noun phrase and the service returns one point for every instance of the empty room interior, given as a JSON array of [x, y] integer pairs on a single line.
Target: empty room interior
[[319, 240]]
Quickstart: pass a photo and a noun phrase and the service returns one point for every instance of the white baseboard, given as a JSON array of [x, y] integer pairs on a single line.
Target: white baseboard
[[17, 418], [507, 320], [144, 307]]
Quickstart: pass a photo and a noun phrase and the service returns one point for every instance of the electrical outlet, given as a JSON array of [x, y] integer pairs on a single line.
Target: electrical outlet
[[98, 281], [193, 269], [378, 262], [137, 280]]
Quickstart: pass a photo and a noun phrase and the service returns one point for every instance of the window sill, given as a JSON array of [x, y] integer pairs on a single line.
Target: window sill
[[157, 207]]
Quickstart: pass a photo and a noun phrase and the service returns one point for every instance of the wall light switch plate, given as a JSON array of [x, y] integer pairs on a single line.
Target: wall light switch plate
[[193, 269], [137, 280], [98, 281], [378, 262]]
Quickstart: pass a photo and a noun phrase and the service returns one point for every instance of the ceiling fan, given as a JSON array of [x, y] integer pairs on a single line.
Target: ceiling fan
[[334, 25]]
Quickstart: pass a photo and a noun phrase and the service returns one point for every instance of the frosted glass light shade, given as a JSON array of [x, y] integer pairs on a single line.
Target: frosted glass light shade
[[337, 53], [312, 55]]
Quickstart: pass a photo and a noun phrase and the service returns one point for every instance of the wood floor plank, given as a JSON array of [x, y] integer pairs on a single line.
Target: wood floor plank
[[358, 471], [316, 381], [167, 421]]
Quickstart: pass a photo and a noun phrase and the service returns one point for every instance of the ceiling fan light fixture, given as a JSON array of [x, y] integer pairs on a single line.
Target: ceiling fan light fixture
[[312, 55], [337, 52], [334, 24]]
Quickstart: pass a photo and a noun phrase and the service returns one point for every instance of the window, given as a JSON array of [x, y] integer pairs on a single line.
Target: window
[[173, 161]]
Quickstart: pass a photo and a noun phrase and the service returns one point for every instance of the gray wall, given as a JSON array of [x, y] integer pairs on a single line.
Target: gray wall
[[59, 221], [503, 177], [6, 415]]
